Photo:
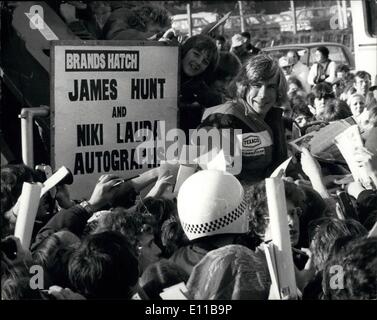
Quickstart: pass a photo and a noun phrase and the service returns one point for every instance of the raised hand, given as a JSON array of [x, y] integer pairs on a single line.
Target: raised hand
[[304, 276], [64, 294], [104, 191]]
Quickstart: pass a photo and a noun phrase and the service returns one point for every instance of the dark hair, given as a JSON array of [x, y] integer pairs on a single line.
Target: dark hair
[[172, 236], [158, 276], [335, 109], [357, 261], [151, 13], [256, 198], [229, 65], [168, 231], [349, 87], [342, 68], [104, 267], [325, 52], [220, 38], [53, 256], [15, 281], [13, 177], [363, 75], [323, 233], [125, 221], [160, 208], [202, 43], [299, 106], [246, 34], [18, 288], [295, 81], [261, 67], [323, 90]]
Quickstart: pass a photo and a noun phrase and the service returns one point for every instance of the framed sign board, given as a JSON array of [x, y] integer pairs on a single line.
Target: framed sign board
[[107, 99]]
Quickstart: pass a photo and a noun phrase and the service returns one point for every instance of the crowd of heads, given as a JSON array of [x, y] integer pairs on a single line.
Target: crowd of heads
[[209, 235]]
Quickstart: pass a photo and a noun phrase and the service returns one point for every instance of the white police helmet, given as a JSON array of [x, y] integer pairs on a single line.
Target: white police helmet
[[212, 202]]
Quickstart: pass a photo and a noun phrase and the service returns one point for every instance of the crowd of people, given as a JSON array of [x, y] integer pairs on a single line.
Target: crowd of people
[[131, 239]]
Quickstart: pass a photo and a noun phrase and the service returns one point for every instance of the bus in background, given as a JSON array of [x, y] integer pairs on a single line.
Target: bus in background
[[364, 22]]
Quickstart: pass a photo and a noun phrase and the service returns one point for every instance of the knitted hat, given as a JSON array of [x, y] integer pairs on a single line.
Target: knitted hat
[[212, 202]]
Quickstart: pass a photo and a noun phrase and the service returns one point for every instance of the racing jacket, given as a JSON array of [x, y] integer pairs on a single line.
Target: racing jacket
[[264, 144]]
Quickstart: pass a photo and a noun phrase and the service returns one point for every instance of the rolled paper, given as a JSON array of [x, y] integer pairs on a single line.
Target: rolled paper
[[29, 202], [277, 209], [54, 179]]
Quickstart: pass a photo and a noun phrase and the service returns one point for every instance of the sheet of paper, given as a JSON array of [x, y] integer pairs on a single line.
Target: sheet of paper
[[347, 142], [29, 203], [176, 292], [204, 159], [184, 172], [283, 166]]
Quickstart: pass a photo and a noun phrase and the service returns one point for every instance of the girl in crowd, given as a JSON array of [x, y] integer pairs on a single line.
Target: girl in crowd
[[199, 60], [357, 103], [295, 87]]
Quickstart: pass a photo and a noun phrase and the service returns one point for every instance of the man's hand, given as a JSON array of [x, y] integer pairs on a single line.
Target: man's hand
[[164, 180], [304, 276], [64, 294], [354, 189], [363, 156], [368, 160], [104, 192], [62, 197]]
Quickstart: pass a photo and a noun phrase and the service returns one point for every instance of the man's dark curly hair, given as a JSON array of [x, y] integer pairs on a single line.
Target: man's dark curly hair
[[323, 233], [356, 262], [13, 177], [256, 198]]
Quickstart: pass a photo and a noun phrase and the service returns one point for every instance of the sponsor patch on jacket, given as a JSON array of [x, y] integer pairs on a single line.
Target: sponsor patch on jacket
[[255, 144]]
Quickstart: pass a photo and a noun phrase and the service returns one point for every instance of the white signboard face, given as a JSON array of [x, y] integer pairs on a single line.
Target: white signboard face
[[103, 93]]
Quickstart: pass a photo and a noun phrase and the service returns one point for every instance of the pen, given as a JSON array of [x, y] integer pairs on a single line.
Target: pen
[[124, 180]]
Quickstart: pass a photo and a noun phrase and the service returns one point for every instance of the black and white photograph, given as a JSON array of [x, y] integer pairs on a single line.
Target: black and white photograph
[[180, 156]]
